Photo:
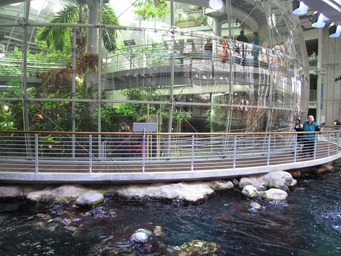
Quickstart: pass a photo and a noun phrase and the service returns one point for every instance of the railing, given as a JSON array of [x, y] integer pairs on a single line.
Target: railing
[[160, 55], [61, 152]]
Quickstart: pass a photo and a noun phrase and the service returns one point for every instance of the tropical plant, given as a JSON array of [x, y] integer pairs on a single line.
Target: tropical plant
[[11, 111], [151, 8], [142, 111], [59, 38]]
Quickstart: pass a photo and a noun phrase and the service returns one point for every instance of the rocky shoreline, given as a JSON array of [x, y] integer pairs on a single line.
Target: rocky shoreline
[[274, 186], [271, 186]]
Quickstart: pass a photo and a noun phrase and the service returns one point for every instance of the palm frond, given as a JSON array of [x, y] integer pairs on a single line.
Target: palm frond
[[109, 35], [57, 37]]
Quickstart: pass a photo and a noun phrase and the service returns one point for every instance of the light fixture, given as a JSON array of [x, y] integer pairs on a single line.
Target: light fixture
[[2, 51], [334, 31], [299, 8], [216, 4], [318, 20]]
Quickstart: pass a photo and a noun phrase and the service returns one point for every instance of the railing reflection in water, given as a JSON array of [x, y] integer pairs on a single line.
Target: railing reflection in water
[[156, 152]]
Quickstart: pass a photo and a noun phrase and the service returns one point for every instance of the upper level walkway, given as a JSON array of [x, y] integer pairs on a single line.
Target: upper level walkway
[[62, 157]]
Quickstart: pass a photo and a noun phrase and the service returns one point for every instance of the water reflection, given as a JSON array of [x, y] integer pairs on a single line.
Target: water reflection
[[309, 223]]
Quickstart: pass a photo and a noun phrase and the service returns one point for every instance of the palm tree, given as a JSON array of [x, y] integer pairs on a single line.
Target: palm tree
[[59, 38]]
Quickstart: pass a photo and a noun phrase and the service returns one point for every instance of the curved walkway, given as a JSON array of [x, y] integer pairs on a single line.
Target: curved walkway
[[189, 157]]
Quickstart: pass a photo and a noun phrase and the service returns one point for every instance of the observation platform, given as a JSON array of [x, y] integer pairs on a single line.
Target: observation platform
[[46, 157]]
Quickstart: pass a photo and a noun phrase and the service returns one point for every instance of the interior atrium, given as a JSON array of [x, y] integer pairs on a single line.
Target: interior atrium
[[89, 65]]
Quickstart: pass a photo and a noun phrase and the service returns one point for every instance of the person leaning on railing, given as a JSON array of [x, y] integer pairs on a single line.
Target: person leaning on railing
[[299, 128], [125, 143], [310, 138]]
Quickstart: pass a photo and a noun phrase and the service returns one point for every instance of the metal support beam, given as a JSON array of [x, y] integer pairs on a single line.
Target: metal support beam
[[319, 78]]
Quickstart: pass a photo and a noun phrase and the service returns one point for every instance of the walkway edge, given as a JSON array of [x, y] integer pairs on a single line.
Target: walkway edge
[[154, 177]]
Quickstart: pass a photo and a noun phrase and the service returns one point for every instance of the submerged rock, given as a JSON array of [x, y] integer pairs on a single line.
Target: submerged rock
[[255, 207], [100, 213], [275, 194], [200, 247], [144, 241]]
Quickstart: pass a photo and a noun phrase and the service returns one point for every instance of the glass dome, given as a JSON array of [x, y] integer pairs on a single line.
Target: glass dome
[[90, 65]]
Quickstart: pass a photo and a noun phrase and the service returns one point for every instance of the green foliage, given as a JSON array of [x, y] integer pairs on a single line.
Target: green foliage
[[138, 111], [11, 111], [60, 38], [151, 8], [216, 117], [201, 20], [195, 15], [156, 54], [57, 116], [57, 37], [13, 66], [110, 35]]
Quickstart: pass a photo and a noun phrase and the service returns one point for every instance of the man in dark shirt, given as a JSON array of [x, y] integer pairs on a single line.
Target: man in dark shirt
[[242, 37]]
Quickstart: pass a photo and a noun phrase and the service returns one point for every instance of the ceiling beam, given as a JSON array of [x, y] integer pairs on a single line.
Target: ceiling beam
[[329, 8]]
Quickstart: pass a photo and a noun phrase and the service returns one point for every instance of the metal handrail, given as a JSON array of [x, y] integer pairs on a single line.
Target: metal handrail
[[115, 152]]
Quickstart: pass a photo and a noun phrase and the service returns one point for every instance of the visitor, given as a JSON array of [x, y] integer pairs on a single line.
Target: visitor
[[224, 51], [125, 127], [312, 59], [124, 146], [242, 38], [255, 49], [299, 128], [310, 138], [208, 48]]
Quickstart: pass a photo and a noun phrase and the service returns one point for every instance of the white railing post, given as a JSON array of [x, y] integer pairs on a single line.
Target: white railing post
[[315, 144], [337, 142], [36, 152], [234, 151], [269, 147], [192, 154], [90, 153], [329, 139], [103, 155], [144, 151], [295, 147]]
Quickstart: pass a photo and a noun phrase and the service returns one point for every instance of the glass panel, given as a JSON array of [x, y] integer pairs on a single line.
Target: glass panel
[[98, 66]]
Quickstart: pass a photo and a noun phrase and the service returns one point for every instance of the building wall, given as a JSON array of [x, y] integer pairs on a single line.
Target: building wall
[[330, 69]]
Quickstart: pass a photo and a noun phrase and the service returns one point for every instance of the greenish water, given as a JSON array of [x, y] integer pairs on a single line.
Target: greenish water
[[309, 223]]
